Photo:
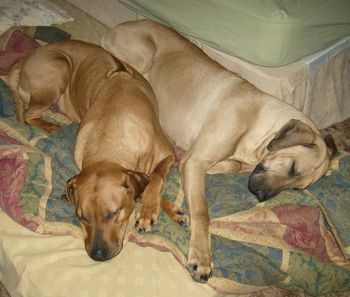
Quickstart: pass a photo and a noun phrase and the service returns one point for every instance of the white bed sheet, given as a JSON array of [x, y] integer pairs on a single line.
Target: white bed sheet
[[34, 265]]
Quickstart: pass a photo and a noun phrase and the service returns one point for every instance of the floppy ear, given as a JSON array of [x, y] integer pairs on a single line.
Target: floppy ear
[[69, 189], [137, 182], [293, 133]]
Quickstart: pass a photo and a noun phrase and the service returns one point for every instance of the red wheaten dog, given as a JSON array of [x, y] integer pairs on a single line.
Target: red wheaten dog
[[120, 147]]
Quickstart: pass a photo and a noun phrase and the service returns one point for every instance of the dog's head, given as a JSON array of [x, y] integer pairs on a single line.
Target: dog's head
[[298, 157], [104, 196]]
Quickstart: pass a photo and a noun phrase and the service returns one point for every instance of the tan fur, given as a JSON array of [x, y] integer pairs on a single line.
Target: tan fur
[[120, 147], [224, 123]]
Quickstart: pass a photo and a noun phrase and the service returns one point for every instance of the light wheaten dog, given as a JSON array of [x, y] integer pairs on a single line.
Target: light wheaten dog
[[120, 147], [225, 124]]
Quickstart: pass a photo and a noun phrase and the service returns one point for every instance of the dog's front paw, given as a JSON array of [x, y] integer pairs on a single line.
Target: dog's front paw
[[146, 218], [199, 264], [174, 212]]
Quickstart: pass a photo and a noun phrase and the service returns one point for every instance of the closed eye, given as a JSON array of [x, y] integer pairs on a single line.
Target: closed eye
[[113, 215], [310, 146], [292, 170]]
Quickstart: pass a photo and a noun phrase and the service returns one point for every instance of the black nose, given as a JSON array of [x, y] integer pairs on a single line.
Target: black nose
[[99, 253], [260, 195], [256, 185], [259, 168]]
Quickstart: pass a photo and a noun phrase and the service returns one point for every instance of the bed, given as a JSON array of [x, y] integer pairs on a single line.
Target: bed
[[298, 241], [306, 42]]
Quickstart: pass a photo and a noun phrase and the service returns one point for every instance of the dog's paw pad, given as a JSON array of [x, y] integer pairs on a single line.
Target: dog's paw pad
[[197, 275], [199, 265], [141, 230], [180, 213], [183, 223], [144, 225], [192, 267], [205, 277]]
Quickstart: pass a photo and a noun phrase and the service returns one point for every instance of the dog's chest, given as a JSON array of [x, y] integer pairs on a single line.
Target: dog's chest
[[184, 112], [181, 130]]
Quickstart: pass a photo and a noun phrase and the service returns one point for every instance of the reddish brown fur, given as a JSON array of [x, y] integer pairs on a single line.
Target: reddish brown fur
[[120, 147]]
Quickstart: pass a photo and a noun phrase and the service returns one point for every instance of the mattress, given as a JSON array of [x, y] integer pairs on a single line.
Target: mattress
[[317, 84], [267, 33]]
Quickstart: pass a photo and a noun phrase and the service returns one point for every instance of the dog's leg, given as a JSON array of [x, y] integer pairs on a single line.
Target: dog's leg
[[173, 211], [150, 202], [193, 168], [43, 79], [19, 105], [226, 166], [199, 261], [38, 104]]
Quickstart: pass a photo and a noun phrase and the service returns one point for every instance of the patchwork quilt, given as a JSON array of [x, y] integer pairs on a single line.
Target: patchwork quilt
[[298, 240]]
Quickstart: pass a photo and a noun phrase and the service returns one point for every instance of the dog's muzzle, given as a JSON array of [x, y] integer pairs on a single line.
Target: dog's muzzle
[[258, 184], [99, 253], [101, 250]]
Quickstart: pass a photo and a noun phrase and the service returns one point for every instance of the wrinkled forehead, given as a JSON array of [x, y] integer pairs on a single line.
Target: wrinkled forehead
[[109, 177], [106, 192], [306, 158]]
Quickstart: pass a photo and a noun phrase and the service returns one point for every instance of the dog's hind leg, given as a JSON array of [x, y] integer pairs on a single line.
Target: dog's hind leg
[[42, 85], [37, 106], [151, 200]]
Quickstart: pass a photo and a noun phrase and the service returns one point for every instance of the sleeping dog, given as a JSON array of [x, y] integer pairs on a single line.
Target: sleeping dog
[[120, 147], [223, 122]]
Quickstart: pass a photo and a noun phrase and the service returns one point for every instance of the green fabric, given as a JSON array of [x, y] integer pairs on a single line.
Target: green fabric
[[50, 34], [269, 33]]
